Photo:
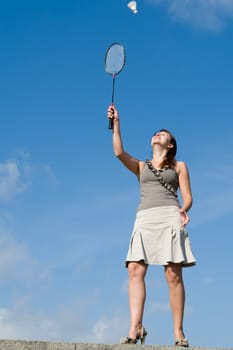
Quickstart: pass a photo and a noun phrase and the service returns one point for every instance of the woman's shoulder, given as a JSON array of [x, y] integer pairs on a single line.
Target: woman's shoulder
[[141, 164], [181, 166]]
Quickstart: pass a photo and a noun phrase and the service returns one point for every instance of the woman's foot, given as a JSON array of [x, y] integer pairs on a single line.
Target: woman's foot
[[141, 337], [128, 340], [182, 342]]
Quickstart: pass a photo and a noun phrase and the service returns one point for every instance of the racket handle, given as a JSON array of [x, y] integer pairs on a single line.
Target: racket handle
[[110, 124], [110, 121]]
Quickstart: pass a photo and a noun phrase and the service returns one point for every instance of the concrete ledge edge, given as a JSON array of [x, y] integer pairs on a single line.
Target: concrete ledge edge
[[6, 344]]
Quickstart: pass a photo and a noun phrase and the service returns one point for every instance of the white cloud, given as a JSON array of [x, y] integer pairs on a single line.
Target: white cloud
[[62, 324], [26, 284], [109, 330], [17, 174], [17, 323], [17, 264], [100, 329], [210, 15], [12, 254], [12, 180]]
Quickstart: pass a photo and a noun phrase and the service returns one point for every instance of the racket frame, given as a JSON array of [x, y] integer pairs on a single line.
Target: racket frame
[[110, 125]]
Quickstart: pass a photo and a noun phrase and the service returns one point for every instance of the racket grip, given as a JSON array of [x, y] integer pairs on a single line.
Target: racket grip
[[110, 124]]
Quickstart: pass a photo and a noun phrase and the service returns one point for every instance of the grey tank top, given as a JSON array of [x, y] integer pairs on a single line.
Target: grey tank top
[[153, 193]]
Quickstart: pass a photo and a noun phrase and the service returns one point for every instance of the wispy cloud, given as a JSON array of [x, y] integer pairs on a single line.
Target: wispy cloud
[[17, 263], [109, 330], [15, 175], [12, 180], [13, 254], [18, 173], [64, 323], [19, 323], [210, 15]]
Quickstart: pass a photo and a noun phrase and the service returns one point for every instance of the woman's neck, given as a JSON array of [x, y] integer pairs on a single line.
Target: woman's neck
[[159, 155]]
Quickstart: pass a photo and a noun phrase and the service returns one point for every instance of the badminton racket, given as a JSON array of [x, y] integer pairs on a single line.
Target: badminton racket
[[114, 63]]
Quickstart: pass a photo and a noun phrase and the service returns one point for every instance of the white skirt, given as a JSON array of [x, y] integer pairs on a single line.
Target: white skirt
[[159, 238]]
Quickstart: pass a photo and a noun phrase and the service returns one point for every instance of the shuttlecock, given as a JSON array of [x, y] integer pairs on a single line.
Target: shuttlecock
[[132, 5]]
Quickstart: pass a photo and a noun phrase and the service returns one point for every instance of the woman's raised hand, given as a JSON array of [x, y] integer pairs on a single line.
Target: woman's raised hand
[[113, 113]]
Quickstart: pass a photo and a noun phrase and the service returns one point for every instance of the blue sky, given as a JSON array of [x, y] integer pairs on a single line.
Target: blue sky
[[68, 206]]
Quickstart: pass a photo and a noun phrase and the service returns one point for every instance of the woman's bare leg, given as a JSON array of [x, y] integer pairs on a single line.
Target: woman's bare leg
[[173, 273], [137, 296]]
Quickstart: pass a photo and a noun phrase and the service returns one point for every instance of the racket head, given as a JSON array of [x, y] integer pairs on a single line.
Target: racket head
[[115, 59]]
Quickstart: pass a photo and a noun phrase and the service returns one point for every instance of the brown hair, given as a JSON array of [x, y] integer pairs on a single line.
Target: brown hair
[[170, 160]]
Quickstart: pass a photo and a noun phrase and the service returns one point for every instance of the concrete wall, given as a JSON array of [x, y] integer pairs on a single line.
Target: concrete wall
[[38, 345]]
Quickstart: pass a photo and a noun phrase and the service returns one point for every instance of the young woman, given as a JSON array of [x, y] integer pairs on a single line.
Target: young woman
[[159, 236]]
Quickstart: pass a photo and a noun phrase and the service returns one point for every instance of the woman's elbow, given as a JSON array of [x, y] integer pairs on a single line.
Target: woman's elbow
[[118, 153], [190, 201]]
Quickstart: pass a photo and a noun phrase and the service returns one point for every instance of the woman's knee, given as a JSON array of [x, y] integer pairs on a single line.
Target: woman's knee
[[137, 269], [173, 273]]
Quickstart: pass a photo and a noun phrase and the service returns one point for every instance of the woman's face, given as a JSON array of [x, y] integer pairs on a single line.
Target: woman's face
[[161, 138]]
